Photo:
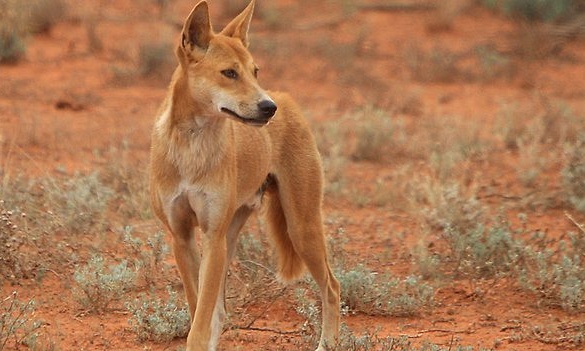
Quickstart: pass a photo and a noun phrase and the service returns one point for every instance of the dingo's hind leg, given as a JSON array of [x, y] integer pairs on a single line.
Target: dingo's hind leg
[[301, 210]]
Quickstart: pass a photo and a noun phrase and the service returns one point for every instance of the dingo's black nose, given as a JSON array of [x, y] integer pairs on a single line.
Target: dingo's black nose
[[267, 108]]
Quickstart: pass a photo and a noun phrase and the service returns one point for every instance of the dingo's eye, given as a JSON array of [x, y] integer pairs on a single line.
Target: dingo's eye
[[256, 69], [230, 73]]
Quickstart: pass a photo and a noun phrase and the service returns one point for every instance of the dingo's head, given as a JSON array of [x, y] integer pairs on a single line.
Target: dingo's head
[[221, 72]]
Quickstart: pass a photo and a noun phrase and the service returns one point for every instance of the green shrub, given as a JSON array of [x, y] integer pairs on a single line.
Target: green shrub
[[80, 202], [480, 252], [559, 279], [97, 286], [367, 292], [153, 319]]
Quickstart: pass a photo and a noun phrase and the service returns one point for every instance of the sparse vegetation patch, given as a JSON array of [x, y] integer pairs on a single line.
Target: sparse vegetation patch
[[97, 285], [18, 325], [365, 291], [19, 19], [535, 10], [573, 175], [158, 320]]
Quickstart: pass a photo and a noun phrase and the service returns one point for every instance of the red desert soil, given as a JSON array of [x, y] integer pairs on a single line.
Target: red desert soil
[[66, 105]]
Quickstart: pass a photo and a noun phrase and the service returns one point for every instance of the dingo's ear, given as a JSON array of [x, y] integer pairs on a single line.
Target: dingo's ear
[[238, 27], [197, 31]]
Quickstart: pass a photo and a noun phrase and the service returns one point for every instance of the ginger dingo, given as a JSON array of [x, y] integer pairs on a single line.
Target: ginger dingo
[[219, 146]]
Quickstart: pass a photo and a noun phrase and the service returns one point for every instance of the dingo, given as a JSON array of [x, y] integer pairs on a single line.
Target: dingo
[[218, 146]]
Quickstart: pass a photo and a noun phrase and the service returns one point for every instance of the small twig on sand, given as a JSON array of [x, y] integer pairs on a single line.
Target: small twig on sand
[[446, 331], [577, 224], [269, 330], [248, 326]]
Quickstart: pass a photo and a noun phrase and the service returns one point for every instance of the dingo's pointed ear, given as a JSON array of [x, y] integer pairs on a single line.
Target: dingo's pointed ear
[[197, 31], [239, 26]]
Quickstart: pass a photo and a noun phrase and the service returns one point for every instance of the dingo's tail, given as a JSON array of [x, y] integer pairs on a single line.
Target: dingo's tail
[[290, 264]]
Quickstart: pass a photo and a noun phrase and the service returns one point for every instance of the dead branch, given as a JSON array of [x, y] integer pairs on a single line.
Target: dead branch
[[578, 225], [269, 330], [426, 331]]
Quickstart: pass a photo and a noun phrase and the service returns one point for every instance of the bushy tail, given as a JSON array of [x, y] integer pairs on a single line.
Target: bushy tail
[[290, 264]]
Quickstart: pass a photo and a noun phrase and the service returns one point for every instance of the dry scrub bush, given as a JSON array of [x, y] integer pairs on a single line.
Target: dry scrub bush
[[440, 65], [538, 122], [535, 10], [553, 270], [76, 204], [35, 210], [129, 184], [532, 161], [27, 228], [13, 264], [573, 175], [252, 277], [377, 135], [480, 252], [330, 137], [450, 207], [538, 133], [435, 66], [12, 31], [155, 59], [147, 258], [365, 291], [18, 325], [367, 341], [351, 62], [43, 14], [469, 247], [555, 273], [80, 202], [158, 320], [446, 144], [19, 19], [97, 286]]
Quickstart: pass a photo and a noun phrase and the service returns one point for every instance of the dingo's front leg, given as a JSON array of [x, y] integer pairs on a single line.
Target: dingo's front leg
[[209, 316], [182, 221], [214, 212]]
